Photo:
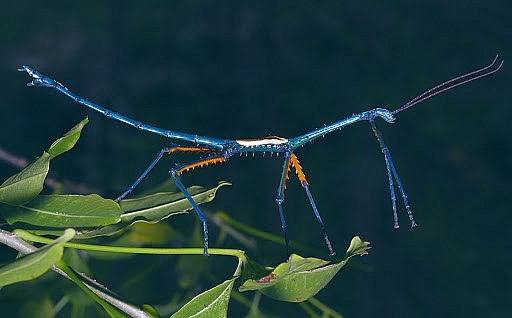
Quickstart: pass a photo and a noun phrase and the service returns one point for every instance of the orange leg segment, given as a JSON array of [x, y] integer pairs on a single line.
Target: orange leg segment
[[293, 161], [200, 164]]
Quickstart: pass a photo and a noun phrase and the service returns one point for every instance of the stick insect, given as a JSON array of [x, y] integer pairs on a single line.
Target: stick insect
[[214, 150]]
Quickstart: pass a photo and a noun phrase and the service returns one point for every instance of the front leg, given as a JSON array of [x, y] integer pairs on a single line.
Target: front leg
[[391, 171]]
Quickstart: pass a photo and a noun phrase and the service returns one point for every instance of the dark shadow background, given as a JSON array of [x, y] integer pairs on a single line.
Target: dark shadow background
[[234, 69]]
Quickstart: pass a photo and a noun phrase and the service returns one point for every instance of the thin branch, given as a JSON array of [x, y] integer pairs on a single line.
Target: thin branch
[[12, 240]]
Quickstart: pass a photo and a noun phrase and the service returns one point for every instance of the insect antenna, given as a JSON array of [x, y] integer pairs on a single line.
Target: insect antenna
[[452, 83]]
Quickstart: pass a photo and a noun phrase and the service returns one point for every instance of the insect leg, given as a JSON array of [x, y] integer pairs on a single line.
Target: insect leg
[[391, 170], [176, 171], [294, 161]]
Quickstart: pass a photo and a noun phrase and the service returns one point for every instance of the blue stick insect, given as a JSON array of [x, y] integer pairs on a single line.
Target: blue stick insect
[[215, 150]]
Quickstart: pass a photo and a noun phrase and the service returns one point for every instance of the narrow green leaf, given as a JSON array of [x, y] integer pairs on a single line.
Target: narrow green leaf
[[67, 141], [81, 282], [26, 184], [34, 264], [63, 211], [211, 303], [154, 208], [301, 278]]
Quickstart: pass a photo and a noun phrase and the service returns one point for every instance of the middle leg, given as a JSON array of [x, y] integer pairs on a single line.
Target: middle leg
[[291, 160]]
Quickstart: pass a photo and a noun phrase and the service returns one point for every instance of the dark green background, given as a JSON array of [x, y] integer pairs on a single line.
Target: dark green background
[[234, 69]]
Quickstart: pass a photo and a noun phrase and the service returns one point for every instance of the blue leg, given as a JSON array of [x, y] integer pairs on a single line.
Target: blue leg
[[176, 171], [280, 199], [391, 187], [171, 149], [174, 176], [391, 170], [402, 191], [292, 161], [319, 219], [145, 173], [302, 178]]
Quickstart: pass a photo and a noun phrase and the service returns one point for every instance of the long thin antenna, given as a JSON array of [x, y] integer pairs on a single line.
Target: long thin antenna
[[459, 80]]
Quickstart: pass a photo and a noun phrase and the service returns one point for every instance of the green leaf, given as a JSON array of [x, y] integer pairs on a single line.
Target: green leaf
[[34, 264], [67, 141], [63, 211], [26, 184], [301, 278], [211, 303], [154, 208], [148, 309], [106, 300]]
